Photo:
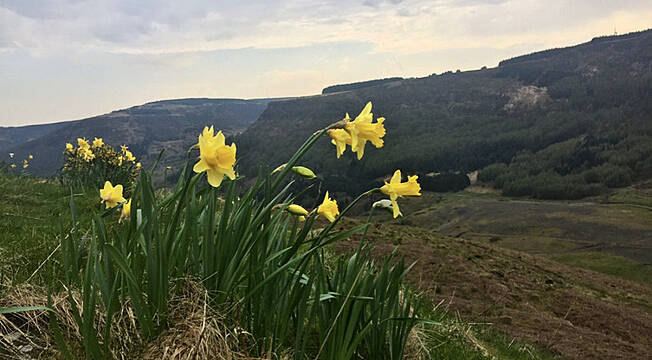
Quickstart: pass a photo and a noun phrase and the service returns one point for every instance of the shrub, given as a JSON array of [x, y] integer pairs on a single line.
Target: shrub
[[491, 172], [90, 166], [444, 182]]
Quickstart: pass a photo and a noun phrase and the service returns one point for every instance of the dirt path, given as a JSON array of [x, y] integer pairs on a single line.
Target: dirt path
[[576, 313]]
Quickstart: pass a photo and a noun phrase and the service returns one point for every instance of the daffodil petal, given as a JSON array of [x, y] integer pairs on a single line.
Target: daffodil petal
[[214, 177], [200, 166]]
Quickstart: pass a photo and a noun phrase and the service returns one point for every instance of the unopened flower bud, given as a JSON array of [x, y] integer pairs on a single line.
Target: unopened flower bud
[[304, 172], [383, 204], [279, 169], [298, 210], [387, 205]]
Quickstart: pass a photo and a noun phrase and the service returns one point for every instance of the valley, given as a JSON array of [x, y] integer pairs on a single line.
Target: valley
[[601, 234]]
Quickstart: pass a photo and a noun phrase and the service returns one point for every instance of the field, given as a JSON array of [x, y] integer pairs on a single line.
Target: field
[[611, 234], [572, 312], [38, 215], [488, 297]]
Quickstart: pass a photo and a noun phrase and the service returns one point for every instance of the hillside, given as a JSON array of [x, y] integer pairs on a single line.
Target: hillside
[[172, 125], [571, 312], [488, 302], [564, 123]]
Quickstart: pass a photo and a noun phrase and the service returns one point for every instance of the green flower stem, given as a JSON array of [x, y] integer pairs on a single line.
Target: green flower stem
[[296, 157]]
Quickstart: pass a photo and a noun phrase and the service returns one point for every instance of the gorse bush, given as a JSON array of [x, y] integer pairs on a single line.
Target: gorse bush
[[261, 258], [91, 165]]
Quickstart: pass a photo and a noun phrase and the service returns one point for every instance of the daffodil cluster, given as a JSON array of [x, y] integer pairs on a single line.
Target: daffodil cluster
[[217, 160], [91, 163], [356, 133]]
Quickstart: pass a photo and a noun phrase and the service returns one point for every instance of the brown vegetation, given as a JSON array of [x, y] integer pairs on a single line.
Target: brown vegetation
[[575, 313]]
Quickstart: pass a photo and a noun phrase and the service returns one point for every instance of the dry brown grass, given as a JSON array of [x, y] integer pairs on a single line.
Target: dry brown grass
[[195, 331]]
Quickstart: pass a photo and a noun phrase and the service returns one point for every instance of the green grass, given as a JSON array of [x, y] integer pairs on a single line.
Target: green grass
[[40, 209], [35, 213], [608, 264], [632, 195], [454, 339]]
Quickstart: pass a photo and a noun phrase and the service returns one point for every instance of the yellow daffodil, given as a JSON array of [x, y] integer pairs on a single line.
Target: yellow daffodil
[[340, 138], [328, 208], [362, 129], [69, 147], [97, 142], [126, 211], [304, 172], [111, 195], [13, 165], [124, 148], [138, 165], [216, 158], [129, 156], [31, 157], [395, 189], [298, 210], [83, 144], [120, 159], [25, 164], [87, 154]]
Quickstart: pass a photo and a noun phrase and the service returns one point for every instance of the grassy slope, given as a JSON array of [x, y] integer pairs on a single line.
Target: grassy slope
[[38, 212], [576, 313], [603, 235], [35, 213]]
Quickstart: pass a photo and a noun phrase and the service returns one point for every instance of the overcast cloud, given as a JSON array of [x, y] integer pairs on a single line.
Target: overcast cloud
[[67, 59]]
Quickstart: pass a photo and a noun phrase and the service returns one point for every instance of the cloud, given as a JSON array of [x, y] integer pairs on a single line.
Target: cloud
[[150, 26], [66, 59]]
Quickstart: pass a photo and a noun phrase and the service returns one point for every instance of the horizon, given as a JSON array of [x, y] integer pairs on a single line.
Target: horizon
[[66, 61]]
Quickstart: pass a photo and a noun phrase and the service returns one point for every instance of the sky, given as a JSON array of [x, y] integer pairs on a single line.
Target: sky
[[70, 59]]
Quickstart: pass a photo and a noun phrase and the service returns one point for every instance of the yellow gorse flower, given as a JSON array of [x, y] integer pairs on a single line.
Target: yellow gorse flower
[[111, 195], [395, 189], [328, 208], [298, 210], [97, 142], [216, 158], [126, 210]]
